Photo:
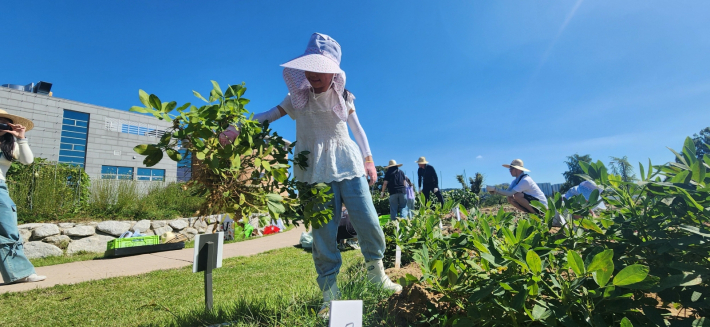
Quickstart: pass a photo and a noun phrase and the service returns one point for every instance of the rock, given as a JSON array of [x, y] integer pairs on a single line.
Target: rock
[[115, 228], [209, 228], [61, 241], [25, 234], [66, 225], [34, 250], [150, 232], [30, 226], [157, 224], [201, 230], [189, 232], [44, 231], [199, 224], [211, 219], [94, 244], [178, 224], [80, 231], [92, 224], [162, 230], [141, 226]]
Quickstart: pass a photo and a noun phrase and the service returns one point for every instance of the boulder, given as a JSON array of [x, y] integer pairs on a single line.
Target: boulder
[[209, 228], [25, 234], [34, 250], [178, 224], [141, 226], [211, 219], [115, 228], [189, 232], [149, 232], [44, 231], [66, 225], [157, 224], [161, 230], [94, 244], [200, 223], [92, 224], [80, 231], [61, 241], [30, 226]]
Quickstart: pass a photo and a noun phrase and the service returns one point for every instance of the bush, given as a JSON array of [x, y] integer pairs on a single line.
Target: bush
[[628, 266]]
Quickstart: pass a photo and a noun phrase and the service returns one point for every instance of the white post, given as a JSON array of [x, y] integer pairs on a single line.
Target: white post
[[398, 254], [458, 214]]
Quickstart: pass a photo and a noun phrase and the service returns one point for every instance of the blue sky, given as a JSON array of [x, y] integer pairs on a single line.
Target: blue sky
[[468, 84]]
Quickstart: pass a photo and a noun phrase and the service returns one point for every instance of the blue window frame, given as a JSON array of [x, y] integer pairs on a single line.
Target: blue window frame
[[148, 174], [116, 172], [75, 130]]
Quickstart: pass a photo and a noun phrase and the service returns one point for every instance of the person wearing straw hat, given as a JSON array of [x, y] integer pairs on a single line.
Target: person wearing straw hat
[[15, 267], [427, 174], [323, 110], [522, 190], [395, 185]]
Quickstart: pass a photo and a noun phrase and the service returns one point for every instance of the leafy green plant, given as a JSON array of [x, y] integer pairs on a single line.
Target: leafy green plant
[[245, 177]]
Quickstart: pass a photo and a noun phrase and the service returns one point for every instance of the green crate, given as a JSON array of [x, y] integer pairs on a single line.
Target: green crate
[[384, 219], [132, 241]]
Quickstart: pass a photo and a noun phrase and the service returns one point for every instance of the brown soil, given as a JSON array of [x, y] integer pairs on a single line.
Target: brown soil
[[407, 306], [412, 269]]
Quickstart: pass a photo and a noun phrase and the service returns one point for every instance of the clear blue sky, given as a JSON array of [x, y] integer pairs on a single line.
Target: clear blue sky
[[468, 84]]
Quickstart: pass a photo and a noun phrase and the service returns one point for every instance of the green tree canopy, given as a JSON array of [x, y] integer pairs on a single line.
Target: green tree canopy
[[702, 143], [573, 170], [622, 167]]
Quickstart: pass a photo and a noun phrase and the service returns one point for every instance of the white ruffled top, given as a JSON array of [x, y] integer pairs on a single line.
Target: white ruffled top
[[333, 156]]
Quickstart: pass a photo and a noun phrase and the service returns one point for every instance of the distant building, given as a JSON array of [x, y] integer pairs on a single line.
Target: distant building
[[549, 189], [99, 139]]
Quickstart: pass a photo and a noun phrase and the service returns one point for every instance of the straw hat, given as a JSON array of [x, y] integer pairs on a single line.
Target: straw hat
[[322, 55], [517, 164], [393, 163], [422, 161], [18, 120]]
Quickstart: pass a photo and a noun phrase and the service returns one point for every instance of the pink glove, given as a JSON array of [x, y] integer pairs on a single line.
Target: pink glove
[[229, 135], [371, 172]]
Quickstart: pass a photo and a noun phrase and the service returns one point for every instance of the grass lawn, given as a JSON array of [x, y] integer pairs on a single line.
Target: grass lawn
[[276, 288], [57, 260]]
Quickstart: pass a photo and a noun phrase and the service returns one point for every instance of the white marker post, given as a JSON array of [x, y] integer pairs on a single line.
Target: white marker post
[[458, 214], [397, 253], [346, 313]]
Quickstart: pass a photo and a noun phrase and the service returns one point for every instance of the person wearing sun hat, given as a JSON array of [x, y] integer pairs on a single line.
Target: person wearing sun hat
[[15, 267], [323, 110], [523, 190], [427, 174], [395, 185]]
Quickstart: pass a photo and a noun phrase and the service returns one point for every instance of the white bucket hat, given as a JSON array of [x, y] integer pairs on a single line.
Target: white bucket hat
[[322, 55], [517, 164], [393, 163]]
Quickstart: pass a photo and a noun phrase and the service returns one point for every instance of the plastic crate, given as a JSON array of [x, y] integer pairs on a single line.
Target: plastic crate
[[384, 219], [127, 242]]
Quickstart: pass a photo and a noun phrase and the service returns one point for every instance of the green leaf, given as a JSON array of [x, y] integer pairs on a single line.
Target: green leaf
[[576, 263], [702, 322], [602, 266], [630, 275], [588, 224], [198, 95], [540, 313], [143, 96], [216, 88], [533, 261], [153, 158], [642, 172], [173, 154], [139, 109], [626, 322], [145, 149], [200, 155], [155, 102], [183, 107], [168, 107], [273, 197], [276, 208]]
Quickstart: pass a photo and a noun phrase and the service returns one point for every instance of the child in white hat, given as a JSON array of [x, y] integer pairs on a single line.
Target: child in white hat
[[323, 109]]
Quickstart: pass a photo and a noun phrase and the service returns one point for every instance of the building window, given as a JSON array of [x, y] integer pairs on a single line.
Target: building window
[[75, 129], [115, 172], [131, 127], [147, 174], [184, 166]]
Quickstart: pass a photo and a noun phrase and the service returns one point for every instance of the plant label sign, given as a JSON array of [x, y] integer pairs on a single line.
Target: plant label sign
[[346, 313], [200, 240]]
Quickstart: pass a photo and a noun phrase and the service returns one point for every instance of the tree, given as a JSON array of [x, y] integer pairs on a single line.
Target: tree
[[702, 143], [622, 168], [476, 183], [573, 170]]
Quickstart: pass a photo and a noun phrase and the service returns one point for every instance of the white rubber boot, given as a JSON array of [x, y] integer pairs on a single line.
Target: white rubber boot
[[331, 294], [376, 275]]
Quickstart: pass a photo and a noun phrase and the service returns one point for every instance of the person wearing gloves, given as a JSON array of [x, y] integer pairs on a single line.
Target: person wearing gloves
[[323, 110], [522, 190], [585, 188], [396, 185], [15, 267], [427, 173]]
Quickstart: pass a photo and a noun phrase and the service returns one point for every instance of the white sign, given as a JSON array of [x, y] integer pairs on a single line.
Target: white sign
[[207, 238], [346, 313]]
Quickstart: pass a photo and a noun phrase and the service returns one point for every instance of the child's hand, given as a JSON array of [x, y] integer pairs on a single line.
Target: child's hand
[[371, 172], [229, 135]]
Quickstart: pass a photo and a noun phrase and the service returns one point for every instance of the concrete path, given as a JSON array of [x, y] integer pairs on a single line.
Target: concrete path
[[81, 271]]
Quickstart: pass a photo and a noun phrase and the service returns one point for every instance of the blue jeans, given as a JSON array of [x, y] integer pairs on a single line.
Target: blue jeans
[[15, 264], [398, 202], [409, 210], [326, 256]]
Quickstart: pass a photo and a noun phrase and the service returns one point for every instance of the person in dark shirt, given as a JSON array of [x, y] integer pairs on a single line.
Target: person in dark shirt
[[394, 182], [427, 173]]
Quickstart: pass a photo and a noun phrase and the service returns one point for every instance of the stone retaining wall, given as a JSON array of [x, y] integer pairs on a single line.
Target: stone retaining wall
[[47, 239]]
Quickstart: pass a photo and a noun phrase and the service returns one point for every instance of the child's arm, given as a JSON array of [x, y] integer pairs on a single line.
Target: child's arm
[[361, 140]]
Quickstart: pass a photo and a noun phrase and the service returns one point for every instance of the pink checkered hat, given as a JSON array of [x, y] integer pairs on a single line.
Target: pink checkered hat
[[322, 55]]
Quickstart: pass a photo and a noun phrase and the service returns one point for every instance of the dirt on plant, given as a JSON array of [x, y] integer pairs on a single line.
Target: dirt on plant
[[408, 305]]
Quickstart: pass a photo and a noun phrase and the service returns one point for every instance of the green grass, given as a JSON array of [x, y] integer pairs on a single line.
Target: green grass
[[277, 288]]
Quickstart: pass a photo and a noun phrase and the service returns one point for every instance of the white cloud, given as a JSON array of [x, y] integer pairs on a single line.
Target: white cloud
[[479, 157]]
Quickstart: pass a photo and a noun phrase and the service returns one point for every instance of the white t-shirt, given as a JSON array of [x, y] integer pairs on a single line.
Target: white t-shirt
[[529, 187]]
